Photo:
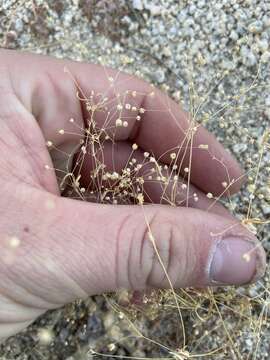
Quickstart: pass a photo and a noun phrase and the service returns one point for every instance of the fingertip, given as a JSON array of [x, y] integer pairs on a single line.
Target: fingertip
[[237, 261]]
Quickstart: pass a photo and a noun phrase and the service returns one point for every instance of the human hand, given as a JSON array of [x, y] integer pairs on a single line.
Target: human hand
[[56, 249]]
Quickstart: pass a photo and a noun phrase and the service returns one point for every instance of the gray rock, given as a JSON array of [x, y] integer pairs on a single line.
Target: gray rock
[[266, 209], [158, 76], [240, 148]]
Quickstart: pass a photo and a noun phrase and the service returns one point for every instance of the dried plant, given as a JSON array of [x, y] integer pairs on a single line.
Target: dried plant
[[229, 310]]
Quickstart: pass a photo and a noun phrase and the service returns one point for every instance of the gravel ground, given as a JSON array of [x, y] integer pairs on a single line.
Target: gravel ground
[[220, 49]]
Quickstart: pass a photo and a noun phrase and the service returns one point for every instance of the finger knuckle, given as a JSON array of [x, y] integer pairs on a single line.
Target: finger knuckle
[[163, 255], [135, 253], [156, 251], [161, 237]]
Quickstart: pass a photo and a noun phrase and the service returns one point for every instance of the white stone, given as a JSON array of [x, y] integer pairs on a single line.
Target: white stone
[[137, 4]]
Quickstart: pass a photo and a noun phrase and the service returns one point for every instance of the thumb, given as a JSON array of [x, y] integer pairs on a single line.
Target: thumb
[[69, 249], [105, 247]]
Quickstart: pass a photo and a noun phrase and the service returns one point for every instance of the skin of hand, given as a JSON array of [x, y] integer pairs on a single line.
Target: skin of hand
[[56, 249]]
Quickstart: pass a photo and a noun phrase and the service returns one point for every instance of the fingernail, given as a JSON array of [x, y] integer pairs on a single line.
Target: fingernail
[[237, 261]]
